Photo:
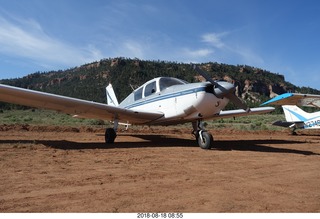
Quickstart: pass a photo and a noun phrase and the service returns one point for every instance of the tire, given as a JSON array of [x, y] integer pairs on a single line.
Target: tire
[[110, 135], [207, 140]]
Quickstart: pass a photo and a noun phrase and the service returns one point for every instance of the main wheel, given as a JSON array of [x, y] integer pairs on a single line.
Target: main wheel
[[110, 135], [205, 141]]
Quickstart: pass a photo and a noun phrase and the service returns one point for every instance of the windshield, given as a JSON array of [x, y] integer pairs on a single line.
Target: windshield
[[168, 82]]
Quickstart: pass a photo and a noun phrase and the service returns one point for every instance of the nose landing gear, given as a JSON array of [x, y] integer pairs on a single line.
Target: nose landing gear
[[204, 138]]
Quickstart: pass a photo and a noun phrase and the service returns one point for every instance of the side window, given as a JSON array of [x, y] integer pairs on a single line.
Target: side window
[[150, 89], [138, 94]]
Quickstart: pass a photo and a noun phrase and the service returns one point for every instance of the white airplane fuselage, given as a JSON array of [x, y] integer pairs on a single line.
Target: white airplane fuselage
[[183, 102]]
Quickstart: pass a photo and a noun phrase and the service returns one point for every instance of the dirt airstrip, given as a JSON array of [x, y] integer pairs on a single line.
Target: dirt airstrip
[[59, 169]]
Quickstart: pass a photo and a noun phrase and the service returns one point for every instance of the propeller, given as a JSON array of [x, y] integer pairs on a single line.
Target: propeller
[[223, 89]]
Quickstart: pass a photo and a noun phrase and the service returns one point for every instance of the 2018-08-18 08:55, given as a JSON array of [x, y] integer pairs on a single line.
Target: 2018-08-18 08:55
[[159, 215]]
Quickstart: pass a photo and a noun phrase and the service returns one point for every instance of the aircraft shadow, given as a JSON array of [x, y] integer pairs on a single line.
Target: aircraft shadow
[[258, 146], [165, 141]]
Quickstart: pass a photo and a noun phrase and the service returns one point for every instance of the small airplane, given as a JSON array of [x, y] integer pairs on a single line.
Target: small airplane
[[296, 118], [160, 101]]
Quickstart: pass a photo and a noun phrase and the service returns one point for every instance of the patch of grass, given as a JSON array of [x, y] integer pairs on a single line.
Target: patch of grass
[[45, 117], [254, 122]]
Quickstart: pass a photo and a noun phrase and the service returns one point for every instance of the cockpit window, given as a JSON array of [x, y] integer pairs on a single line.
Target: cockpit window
[[150, 89], [168, 82], [138, 94]]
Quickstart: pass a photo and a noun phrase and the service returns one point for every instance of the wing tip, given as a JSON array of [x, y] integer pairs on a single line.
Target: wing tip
[[277, 98]]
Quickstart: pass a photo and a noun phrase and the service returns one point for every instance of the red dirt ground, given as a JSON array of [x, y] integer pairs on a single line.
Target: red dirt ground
[[59, 169]]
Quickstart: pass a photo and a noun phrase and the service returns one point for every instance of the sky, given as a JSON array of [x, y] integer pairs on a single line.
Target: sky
[[281, 36]]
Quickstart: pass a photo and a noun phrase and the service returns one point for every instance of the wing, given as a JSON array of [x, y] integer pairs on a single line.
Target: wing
[[311, 100], [76, 107], [241, 112]]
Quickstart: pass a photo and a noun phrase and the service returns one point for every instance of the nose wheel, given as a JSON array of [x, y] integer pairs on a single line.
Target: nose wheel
[[204, 138]]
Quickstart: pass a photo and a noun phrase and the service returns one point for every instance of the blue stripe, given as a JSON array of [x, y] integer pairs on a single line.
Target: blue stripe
[[166, 96], [301, 118]]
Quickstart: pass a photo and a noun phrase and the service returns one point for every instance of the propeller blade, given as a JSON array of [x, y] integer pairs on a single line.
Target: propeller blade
[[238, 102], [205, 75], [223, 89]]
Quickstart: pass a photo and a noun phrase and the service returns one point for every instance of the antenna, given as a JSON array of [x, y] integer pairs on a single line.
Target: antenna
[[131, 87]]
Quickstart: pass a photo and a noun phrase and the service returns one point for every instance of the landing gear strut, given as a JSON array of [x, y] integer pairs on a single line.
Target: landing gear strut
[[111, 133], [293, 132], [204, 138]]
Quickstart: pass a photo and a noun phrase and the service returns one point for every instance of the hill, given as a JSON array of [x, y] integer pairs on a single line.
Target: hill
[[89, 81]]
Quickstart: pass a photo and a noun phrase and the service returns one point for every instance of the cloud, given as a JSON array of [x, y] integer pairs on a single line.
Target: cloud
[[133, 49], [188, 55], [27, 39], [214, 39], [198, 53], [232, 49]]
